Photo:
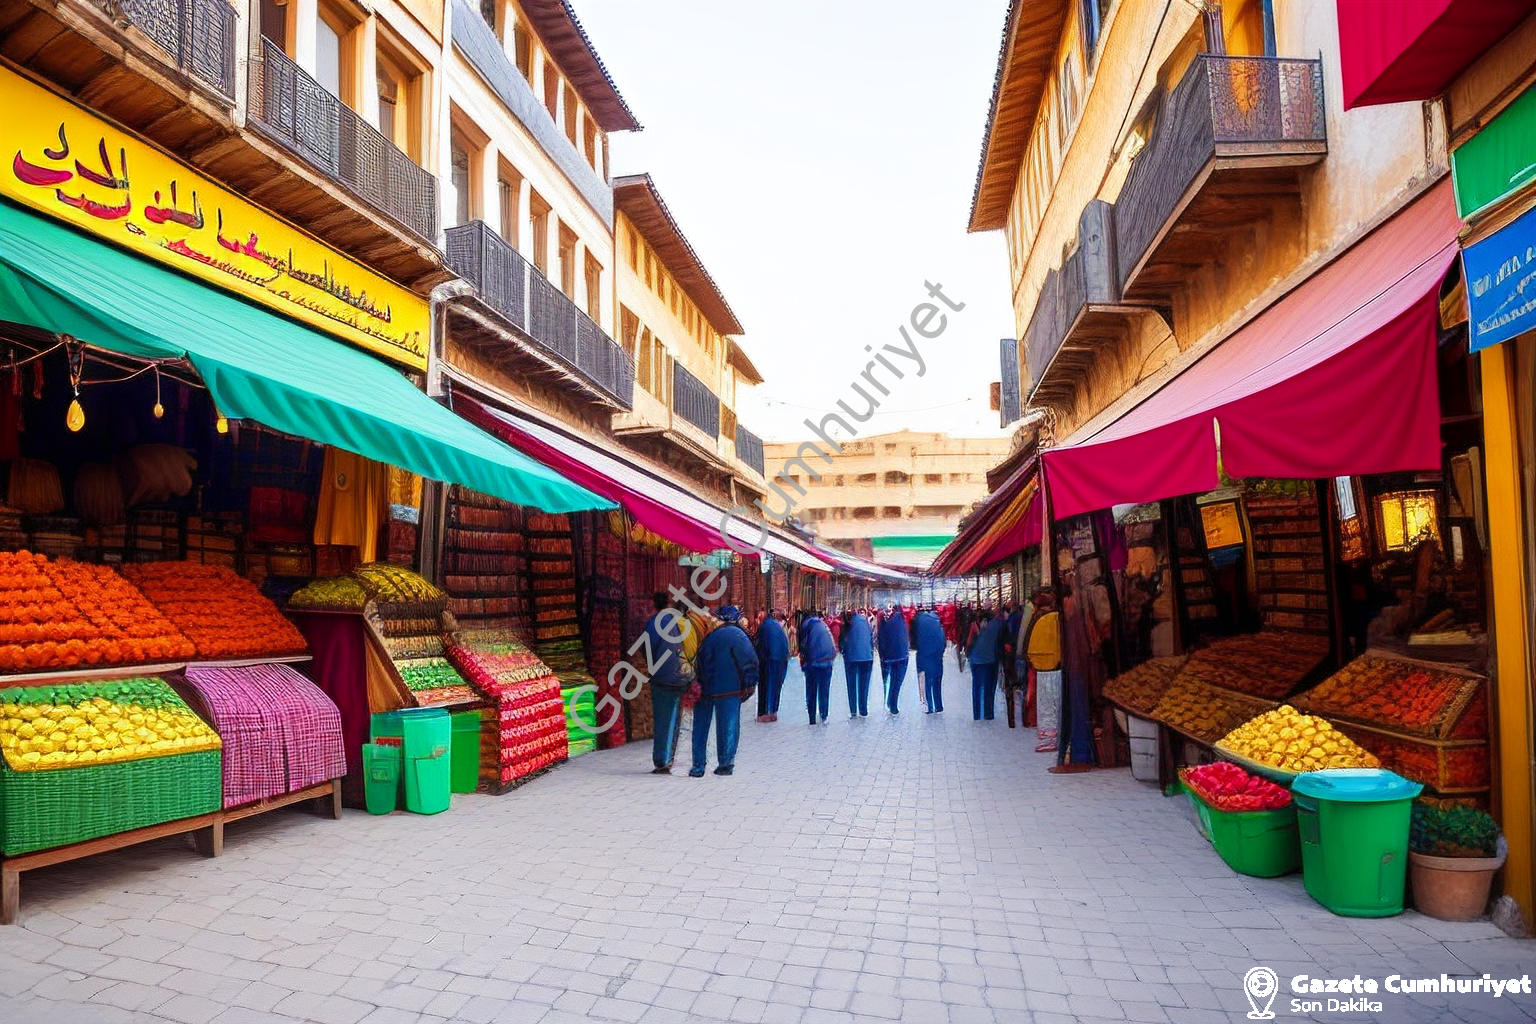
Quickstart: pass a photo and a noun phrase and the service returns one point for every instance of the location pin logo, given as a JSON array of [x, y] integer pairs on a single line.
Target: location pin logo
[[1260, 985]]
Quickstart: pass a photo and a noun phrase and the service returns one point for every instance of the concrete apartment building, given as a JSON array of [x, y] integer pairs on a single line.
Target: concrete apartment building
[[897, 497]]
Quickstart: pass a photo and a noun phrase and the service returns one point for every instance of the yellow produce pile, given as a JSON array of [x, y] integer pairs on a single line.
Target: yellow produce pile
[[385, 582], [102, 723], [1205, 712], [1291, 741], [339, 593]]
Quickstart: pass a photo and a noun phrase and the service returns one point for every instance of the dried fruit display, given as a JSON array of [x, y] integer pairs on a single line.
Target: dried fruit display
[[63, 614], [1205, 712], [1396, 694], [1142, 687], [1227, 787], [81, 724], [1268, 664], [1293, 742], [339, 593], [223, 614]]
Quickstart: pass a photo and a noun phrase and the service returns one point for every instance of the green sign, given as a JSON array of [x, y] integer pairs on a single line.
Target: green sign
[[1498, 160]]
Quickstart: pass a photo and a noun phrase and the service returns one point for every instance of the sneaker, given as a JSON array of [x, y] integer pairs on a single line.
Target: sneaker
[[665, 769], [726, 769], [863, 714], [823, 721], [696, 773]]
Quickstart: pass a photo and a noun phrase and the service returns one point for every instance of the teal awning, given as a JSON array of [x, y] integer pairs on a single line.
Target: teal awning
[[256, 364]]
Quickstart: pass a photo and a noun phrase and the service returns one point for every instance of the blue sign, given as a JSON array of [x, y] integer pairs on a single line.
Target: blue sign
[[1501, 283]]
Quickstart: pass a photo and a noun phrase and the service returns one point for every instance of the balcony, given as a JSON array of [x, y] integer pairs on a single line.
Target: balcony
[[558, 333], [1227, 146], [294, 110], [749, 450], [694, 402], [1010, 399], [199, 35]]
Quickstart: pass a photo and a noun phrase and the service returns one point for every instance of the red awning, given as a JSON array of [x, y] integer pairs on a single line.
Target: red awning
[[1337, 378], [1414, 49], [663, 508], [1008, 523]]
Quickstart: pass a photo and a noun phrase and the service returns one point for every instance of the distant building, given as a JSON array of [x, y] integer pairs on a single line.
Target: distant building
[[895, 497]]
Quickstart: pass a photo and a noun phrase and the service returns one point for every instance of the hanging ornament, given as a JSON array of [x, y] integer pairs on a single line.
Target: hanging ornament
[[220, 423], [159, 410], [74, 352]]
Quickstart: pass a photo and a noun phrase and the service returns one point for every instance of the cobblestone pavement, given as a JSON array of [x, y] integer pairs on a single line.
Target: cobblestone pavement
[[918, 868]]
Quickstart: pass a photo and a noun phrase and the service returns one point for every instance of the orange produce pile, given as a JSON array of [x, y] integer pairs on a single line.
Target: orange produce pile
[[224, 614], [65, 614]]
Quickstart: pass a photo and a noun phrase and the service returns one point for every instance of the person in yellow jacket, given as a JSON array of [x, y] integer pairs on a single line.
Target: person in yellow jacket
[[1042, 649]]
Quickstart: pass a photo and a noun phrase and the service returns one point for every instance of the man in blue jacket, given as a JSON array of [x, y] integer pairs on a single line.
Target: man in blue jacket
[[986, 649], [928, 635], [817, 652], [727, 671], [773, 661], [668, 683], [895, 647], [857, 641]]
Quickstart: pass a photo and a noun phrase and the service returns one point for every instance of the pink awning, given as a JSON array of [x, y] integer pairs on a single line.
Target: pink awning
[[1414, 49], [1336, 378], [1006, 525]]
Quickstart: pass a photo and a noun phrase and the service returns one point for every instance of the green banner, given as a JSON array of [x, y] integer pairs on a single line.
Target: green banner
[[1498, 160]]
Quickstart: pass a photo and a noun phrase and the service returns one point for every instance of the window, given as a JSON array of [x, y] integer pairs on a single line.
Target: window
[[328, 54], [398, 81], [589, 139], [1091, 16], [634, 251], [933, 478], [839, 481], [552, 91], [567, 258], [896, 476], [629, 330], [570, 115], [594, 276], [522, 49], [644, 369], [462, 184], [865, 478], [1067, 98], [274, 23], [389, 103], [957, 478], [728, 427], [488, 11], [508, 187], [891, 512], [864, 512], [1351, 525], [1407, 519], [538, 217], [889, 448]]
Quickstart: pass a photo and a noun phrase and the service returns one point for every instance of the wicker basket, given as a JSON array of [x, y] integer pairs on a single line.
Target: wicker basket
[[43, 809]]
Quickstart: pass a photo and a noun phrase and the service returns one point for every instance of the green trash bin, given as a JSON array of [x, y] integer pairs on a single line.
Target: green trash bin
[[428, 764], [381, 777], [466, 751], [1258, 843], [1354, 838]]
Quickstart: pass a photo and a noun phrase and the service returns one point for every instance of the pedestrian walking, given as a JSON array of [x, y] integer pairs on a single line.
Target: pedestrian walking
[[985, 650], [817, 652], [928, 636], [1042, 646], [965, 617], [773, 661], [727, 671], [895, 649], [669, 682], [858, 662]]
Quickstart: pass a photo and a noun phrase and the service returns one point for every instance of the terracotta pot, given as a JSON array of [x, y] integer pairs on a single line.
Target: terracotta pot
[[1453, 888]]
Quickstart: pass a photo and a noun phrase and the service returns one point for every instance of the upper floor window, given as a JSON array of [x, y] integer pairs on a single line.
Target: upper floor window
[[567, 257], [571, 108], [274, 22], [508, 187], [463, 184], [1068, 98], [552, 91], [538, 218], [522, 49], [589, 139], [634, 251], [629, 330], [328, 55], [594, 276], [1091, 13]]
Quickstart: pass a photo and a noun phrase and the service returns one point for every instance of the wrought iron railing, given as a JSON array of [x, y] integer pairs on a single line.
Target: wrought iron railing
[[1043, 336], [749, 449], [199, 35], [1224, 101], [295, 110], [527, 300], [1011, 403], [694, 402]]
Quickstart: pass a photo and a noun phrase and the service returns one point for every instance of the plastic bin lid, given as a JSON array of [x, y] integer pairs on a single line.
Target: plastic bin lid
[[1356, 785]]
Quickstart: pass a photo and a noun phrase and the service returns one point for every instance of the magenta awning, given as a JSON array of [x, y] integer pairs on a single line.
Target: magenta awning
[[1008, 523], [1337, 378], [1396, 50]]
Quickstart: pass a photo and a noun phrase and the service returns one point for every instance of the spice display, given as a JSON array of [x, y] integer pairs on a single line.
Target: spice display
[[61, 615], [1142, 687], [48, 727], [1205, 712], [1395, 693], [385, 582], [1227, 787], [1267, 664], [223, 615], [339, 593], [528, 731], [1293, 742]]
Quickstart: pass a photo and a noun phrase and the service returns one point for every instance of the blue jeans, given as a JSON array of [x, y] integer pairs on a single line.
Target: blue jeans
[[818, 690], [983, 690], [726, 711], [931, 668], [858, 674], [773, 674], [895, 673], [667, 707]]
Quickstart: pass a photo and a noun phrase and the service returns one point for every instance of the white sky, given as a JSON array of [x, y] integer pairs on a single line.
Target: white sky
[[820, 156]]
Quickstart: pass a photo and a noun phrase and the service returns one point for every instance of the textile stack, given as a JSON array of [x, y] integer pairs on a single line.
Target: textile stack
[[485, 565], [527, 732], [554, 577]]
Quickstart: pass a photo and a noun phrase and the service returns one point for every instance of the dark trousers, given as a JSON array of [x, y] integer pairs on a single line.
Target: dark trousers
[[667, 707], [726, 712], [773, 683], [858, 674], [1011, 678], [894, 673], [818, 690], [983, 690], [931, 668]]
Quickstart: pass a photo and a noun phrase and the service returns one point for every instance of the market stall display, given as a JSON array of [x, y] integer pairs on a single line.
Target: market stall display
[[337, 594], [58, 615], [1248, 819], [1289, 741], [1270, 664], [485, 564], [280, 733], [1288, 557], [223, 615], [527, 731], [1139, 689], [411, 637], [1205, 712], [553, 571]]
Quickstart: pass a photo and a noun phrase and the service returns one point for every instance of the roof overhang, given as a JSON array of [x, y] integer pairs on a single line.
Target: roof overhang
[[737, 357], [1031, 32], [637, 198], [561, 33]]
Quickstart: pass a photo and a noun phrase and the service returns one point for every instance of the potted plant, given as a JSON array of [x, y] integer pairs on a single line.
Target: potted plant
[[1452, 855]]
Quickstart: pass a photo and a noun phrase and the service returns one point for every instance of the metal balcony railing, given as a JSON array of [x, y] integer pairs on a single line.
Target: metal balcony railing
[[1042, 338], [1011, 406], [1244, 106], [694, 402], [199, 35], [296, 111], [527, 300], [749, 449], [1086, 277]]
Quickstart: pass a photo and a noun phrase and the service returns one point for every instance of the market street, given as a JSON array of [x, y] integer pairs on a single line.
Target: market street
[[920, 869]]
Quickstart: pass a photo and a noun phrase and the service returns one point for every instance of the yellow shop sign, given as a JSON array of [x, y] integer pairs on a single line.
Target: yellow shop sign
[[74, 166]]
